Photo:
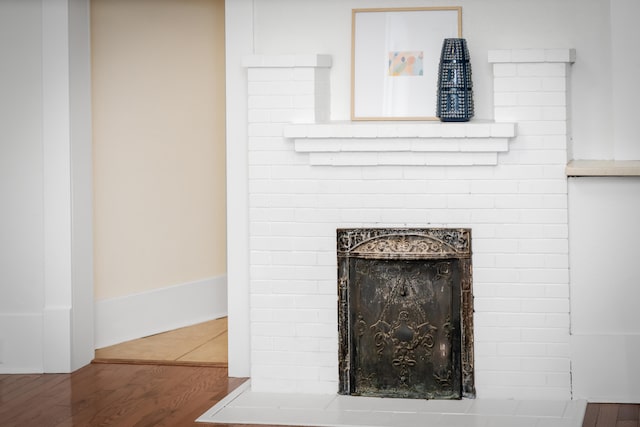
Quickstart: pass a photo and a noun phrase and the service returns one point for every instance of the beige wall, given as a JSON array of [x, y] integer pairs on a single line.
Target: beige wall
[[158, 131]]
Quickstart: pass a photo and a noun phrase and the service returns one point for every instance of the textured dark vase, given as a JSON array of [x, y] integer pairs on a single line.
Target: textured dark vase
[[455, 88]]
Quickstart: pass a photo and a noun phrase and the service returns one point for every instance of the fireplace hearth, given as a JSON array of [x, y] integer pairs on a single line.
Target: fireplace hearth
[[405, 315]]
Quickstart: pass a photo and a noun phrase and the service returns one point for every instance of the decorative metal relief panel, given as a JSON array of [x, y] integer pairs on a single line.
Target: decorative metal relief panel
[[405, 313]]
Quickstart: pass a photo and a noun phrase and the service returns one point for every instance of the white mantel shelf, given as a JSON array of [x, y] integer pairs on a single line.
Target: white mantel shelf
[[401, 143], [603, 168]]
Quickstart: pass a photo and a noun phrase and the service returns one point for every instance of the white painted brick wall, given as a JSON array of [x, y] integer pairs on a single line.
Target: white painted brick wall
[[305, 186]]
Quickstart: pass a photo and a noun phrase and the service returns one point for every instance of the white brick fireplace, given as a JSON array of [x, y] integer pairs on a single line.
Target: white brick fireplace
[[504, 179]]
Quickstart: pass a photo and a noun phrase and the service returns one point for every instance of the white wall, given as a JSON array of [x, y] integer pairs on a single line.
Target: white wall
[[21, 187], [604, 231], [625, 33], [605, 288], [82, 183], [239, 40], [46, 303]]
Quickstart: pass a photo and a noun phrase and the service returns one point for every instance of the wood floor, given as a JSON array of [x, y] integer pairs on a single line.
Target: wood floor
[[113, 395], [204, 344], [136, 395], [611, 415]]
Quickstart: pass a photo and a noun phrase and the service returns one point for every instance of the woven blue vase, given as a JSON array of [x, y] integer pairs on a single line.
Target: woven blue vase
[[455, 88]]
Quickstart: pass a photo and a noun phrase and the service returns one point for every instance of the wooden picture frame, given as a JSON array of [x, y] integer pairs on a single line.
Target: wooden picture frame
[[395, 54]]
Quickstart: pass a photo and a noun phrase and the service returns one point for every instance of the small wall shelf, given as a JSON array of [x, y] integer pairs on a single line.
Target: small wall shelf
[[577, 168]]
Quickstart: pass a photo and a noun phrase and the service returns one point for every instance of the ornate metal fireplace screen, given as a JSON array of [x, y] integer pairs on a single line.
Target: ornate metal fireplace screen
[[405, 314]]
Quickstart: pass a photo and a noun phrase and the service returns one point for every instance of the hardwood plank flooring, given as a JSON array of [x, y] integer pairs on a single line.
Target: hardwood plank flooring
[[113, 395], [198, 345], [612, 415]]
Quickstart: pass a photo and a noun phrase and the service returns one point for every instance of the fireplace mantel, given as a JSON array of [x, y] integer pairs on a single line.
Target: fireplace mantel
[[308, 176], [401, 143]]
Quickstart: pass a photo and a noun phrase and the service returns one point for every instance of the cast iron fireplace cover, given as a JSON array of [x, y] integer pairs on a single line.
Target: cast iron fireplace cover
[[405, 314]]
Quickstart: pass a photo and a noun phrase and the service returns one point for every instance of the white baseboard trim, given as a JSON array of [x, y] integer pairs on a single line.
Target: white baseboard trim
[[604, 367], [139, 315], [21, 350], [56, 345]]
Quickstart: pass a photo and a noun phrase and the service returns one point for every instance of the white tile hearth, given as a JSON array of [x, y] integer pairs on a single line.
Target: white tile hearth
[[324, 410]]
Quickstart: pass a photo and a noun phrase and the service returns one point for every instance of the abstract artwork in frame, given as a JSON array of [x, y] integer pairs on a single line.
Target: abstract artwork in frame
[[394, 60]]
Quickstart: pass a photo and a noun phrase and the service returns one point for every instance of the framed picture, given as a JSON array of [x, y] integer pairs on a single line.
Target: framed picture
[[394, 60]]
